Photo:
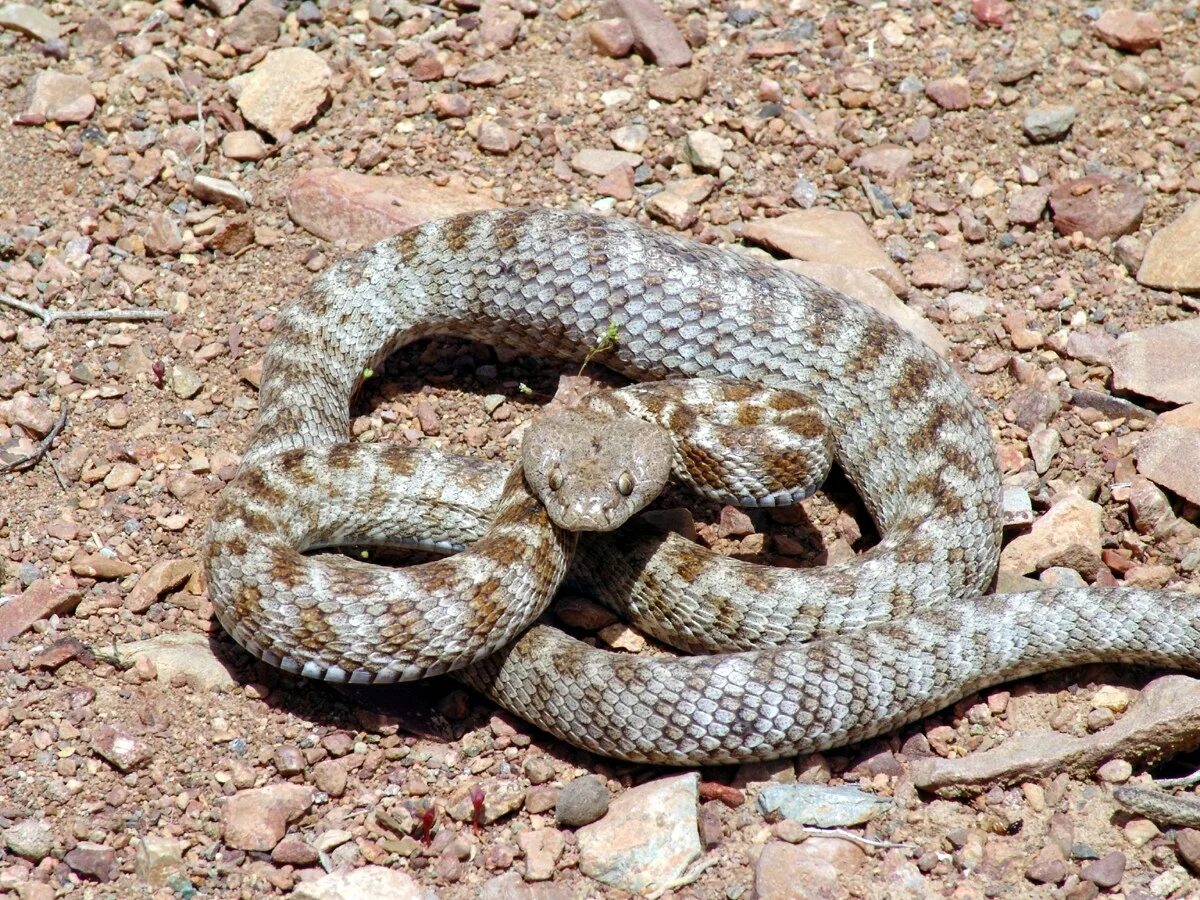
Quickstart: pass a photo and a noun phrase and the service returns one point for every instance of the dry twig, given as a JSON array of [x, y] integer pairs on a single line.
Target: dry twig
[[50, 316], [42, 449]]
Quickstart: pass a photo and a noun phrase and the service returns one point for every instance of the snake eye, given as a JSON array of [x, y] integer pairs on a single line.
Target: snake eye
[[625, 484], [555, 480]]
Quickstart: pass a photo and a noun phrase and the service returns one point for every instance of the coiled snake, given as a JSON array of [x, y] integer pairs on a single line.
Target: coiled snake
[[903, 426]]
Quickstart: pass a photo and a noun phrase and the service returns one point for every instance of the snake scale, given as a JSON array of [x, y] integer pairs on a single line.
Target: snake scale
[[900, 631]]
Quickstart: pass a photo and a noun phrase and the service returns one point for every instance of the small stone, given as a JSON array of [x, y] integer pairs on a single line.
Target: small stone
[[1159, 362], [330, 776], [582, 801], [647, 840], [1049, 866], [31, 839], [685, 84], [655, 35], [93, 860], [821, 805], [29, 21], [1028, 206], [122, 750], [293, 850], [612, 37], [591, 161], [243, 146], [57, 97], [542, 850], [1068, 534], [219, 191], [257, 819], [886, 162], [186, 382], [157, 859], [631, 138], [497, 797], [1187, 844], [494, 137], [165, 575], [1129, 77], [186, 655], [807, 871], [284, 92], [1172, 258], [366, 883], [1115, 771], [949, 93], [33, 415], [1127, 30], [673, 209], [1105, 872], [1140, 832], [1098, 206], [163, 236], [100, 566], [451, 106], [1049, 122], [538, 769], [704, 151], [940, 269], [1166, 451]]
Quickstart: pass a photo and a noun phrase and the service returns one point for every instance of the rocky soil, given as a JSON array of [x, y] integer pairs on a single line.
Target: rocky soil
[[1015, 181]]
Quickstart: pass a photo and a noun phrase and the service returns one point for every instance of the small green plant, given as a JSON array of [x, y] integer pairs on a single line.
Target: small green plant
[[368, 373], [525, 389], [604, 343]]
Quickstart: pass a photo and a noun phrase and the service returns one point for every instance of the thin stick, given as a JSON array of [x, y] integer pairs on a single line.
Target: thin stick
[[50, 316], [42, 450], [857, 838], [1183, 781], [684, 879]]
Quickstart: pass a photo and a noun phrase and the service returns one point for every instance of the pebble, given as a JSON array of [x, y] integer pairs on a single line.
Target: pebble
[[1068, 534], [284, 92], [186, 382], [812, 870], [57, 97], [366, 883], [1049, 122], [31, 839], [37, 602], [1172, 258], [631, 138], [886, 162], [704, 151], [612, 37], [949, 93], [831, 236], [592, 161], [542, 850], [1135, 32], [1187, 845], [257, 819], [185, 655], [1159, 362], [1166, 451], [29, 21], [582, 801], [244, 146], [649, 837], [1115, 771], [821, 805], [1132, 78], [655, 35], [219, 191], [499, 797], [685, 84], [92, 860], [940, 269], [1105, 872], [338, 205], [1098, 206], [157, 859]]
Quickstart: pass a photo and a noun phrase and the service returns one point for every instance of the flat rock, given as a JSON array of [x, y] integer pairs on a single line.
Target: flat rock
[[866, 288], [648, 838], [1029, 205], [654, 35], [57, 97], [942, 269], [591, 161], [345, 206], [40, 600], [257, 819], [1168, 451], [1049, 122], [1160, 362], [192, 655], [1125, 29], [1098, 206], [219, 191], [812, 870], [29, 21], [366, 883], [1172, 260], [821, 805], [1068, 534], [284, 92], [685, 84], [829, 236]]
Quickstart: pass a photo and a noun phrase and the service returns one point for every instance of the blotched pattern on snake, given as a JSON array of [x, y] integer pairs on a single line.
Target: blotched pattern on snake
[[900, 631]]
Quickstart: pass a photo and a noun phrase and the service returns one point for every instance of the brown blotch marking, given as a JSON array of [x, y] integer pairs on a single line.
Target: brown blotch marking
[[749, 415], [681, 419], [932, 485], [925, 438], [257, 523], [877, 339], [254, 483], [341, 457], [760, 579], [737, 391], [914, 550], [456, 232], [912, 384], [292, 464], [783, 470], [484, 606], [504, 548], [234, 546], [806, 423], [247, 604], [507, 228], [702, 467], [314, 628]]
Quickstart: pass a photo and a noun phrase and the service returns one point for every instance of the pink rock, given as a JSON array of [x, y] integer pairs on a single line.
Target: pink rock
[[57, 97], [950, 93], [1098, 206], [993, 13], [654, 34], [612, 37], [1129, 30], [344, 206], [258, 819], [38, 601]]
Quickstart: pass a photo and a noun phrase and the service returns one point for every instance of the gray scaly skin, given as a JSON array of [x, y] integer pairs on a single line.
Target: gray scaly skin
[[904, 427]]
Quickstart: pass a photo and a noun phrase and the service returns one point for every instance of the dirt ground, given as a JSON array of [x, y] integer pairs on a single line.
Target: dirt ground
[[102, 756]]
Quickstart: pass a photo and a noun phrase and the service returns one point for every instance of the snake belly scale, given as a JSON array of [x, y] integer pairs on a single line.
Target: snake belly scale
[[904, 428]]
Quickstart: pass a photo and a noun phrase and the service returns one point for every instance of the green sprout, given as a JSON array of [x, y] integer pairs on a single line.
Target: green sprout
[[604, 343]]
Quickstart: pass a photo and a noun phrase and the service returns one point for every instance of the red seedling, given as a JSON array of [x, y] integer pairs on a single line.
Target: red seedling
[[477, 807]]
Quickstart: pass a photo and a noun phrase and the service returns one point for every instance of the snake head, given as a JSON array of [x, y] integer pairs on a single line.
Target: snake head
[[592, 472]]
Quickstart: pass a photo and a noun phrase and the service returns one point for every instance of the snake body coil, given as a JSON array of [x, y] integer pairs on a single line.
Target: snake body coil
[[904, 427]]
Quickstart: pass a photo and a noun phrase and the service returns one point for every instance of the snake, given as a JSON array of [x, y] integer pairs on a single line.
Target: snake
[[791, 660]]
